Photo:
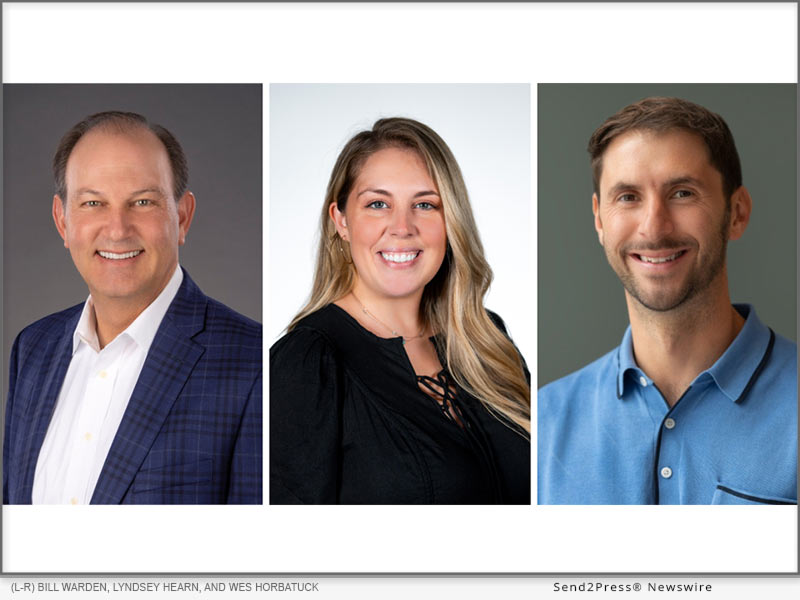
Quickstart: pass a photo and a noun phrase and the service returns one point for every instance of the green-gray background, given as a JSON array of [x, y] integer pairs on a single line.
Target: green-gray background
[[581, 303]]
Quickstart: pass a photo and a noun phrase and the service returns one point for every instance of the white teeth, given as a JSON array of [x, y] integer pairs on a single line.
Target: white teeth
[[399, 257], [115, 256], [664, 259]]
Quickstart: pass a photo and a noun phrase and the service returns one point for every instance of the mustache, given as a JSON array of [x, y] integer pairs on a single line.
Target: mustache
[[656, 245]]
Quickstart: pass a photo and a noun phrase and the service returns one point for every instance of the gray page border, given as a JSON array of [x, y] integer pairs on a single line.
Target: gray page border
[[571, 574]]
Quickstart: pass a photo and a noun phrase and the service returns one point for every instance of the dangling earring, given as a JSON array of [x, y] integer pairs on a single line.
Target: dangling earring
[[346, 255]]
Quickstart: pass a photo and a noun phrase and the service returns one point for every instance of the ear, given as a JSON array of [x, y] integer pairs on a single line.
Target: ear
[[598, 223], [186, 206], [339, 220], [59, 219], [741, 206]]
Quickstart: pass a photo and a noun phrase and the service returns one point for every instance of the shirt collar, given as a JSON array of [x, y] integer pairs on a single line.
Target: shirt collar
[[144, 327], [625, 361], [739, 366], [734, 372]]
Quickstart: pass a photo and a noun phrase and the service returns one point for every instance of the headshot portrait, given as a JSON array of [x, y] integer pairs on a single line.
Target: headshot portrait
[[132, 297], [396, 377], [667, 358]]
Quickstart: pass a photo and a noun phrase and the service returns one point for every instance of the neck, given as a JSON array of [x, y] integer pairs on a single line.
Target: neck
[[113, 318], [675, 346], [114, 314], [385, 316]]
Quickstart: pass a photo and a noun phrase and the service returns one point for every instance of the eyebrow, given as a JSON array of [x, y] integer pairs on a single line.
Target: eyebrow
[[620, 186], [385, 193], [88, 191], [148, 190], [681, 180]]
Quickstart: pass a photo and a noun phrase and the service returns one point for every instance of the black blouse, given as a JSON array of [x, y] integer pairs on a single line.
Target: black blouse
[[349, 424]]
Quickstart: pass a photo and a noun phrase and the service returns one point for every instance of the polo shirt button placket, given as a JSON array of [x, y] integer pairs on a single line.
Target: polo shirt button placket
[[668, 439]]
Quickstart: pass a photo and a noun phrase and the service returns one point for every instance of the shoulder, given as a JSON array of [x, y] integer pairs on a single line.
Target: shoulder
[[231, 343], [501, 326], [305, 375], [768, 358], [51, 327], [220, 329], [497, 320], [779, 371], [594, 377], [309, 341], [785, 352], [202, 316], [221, 318], [322, 330], [329, 320]]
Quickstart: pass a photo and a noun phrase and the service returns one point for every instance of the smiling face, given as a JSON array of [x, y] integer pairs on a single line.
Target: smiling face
[[663, 219], [394, 222], [120, 221]]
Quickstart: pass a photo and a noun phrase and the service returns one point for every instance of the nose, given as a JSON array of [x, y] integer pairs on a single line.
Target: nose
[[118, 224], [402, 222], [656, 222]]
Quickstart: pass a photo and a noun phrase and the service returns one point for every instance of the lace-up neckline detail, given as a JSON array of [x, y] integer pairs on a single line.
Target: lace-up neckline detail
[[441, 389]]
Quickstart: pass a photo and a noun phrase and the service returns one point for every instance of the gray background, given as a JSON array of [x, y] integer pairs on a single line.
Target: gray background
[[219, 128], [581, 304]]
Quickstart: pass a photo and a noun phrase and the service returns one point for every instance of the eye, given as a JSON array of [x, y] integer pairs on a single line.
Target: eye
[[683, 194], [91, 203], [377, 204], [143, 202], [425, 205], [626, 198]]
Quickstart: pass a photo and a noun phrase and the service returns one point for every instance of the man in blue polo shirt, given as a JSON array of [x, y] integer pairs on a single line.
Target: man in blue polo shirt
[[698, 404]]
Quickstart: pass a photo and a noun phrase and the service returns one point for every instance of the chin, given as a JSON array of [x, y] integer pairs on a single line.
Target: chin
[[398, 294], [661, 301], [117, 294], [391, 291]]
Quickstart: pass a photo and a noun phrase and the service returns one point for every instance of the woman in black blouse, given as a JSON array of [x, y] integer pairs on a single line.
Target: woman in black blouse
[[393, 384]]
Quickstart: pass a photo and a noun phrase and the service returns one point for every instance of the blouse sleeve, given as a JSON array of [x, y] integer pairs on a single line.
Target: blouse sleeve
[[305, 411]]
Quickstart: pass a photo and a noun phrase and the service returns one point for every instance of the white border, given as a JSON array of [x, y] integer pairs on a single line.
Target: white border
[[399, 43]]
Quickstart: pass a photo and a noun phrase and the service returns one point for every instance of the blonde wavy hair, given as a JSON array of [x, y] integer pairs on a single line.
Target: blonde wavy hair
[[480, 358]]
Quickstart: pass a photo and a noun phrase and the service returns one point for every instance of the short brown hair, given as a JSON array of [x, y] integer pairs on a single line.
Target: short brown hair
[[663, 114], [120, 122]]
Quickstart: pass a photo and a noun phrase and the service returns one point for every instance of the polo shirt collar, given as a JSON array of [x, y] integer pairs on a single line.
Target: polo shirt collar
[[734, 372], [626, 362], [739, 366]]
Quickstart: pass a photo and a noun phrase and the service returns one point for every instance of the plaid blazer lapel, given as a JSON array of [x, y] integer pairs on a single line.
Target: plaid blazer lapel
[[57, 360], [168, 366]]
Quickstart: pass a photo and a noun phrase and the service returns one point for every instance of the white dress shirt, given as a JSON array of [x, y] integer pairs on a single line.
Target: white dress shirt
[[92, 401]]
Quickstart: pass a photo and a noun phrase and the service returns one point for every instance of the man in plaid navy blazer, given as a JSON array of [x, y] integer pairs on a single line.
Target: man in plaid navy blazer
[[192, 430], [149, 392]]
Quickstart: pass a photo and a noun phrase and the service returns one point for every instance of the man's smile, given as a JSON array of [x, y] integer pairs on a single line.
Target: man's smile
[[119, 255], [658, 258]]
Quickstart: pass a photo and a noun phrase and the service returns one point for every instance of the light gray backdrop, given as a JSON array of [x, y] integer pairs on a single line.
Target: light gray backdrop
[[582, 312], [219, 127], [487, 126]]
